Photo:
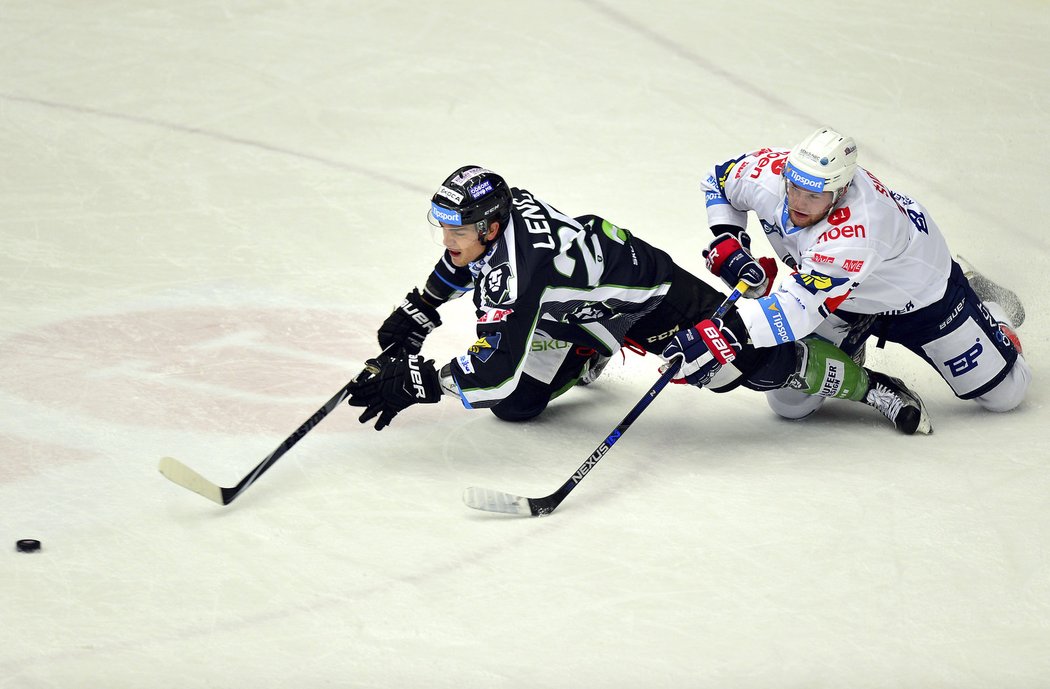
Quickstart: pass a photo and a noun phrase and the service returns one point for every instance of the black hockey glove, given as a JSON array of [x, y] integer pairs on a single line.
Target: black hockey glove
[[704, 349], [409, 324], [398, 383], [729, 257]]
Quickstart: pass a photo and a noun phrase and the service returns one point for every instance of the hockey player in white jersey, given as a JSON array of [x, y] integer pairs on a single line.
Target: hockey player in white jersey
[[866, 261]]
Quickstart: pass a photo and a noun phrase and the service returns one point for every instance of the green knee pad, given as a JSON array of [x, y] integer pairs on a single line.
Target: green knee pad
[[827, 371]]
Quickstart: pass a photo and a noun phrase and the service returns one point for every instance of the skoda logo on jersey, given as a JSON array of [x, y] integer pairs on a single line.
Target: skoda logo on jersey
[[445, 215], [803, 180], [818, 282]]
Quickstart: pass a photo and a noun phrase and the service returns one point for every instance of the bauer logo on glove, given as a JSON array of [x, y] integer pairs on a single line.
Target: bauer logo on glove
[[716, 343], [704, 349], [409, 324], [398, 383]]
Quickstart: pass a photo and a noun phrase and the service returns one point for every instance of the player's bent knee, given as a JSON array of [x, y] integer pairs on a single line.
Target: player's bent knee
[[1011, 391], [793, 404], [513, 412]]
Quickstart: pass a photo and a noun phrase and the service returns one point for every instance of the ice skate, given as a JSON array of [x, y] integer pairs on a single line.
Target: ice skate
[[897, 403], [990, 291], [593, 368]]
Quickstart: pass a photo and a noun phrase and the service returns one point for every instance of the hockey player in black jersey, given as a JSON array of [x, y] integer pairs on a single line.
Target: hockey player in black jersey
[[555, 297]]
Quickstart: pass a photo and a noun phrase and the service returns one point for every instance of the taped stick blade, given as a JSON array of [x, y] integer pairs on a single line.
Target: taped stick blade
[[177, 472], [489, 500]]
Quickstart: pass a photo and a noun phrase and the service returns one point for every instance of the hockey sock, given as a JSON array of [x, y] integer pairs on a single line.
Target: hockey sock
[[1005, 323]]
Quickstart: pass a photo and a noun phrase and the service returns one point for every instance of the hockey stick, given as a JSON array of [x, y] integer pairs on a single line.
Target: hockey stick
[[489, 500], [186, 477]]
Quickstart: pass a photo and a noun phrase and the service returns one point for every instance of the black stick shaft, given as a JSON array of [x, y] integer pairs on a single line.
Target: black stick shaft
[[179, 473], [543, 506], [228, 494], [497, 501]]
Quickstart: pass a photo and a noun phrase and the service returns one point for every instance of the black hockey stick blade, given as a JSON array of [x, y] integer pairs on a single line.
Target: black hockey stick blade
[[489, 500], [179, 473]]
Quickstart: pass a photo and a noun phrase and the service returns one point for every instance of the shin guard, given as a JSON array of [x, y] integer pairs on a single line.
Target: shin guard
[[827, 371]]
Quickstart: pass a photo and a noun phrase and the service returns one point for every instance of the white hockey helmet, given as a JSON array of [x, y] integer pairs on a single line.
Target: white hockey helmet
[[824, 161]]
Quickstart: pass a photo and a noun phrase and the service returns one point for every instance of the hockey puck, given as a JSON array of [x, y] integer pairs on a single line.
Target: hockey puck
[[27, 545]]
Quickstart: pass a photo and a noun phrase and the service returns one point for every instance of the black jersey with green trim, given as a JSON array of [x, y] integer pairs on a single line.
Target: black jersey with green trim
[[581, 280]]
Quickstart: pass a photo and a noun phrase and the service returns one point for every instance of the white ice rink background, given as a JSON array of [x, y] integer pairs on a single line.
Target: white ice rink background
[[206, 210]]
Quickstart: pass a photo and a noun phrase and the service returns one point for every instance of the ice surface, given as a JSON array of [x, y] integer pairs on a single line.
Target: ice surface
[[208, 208]]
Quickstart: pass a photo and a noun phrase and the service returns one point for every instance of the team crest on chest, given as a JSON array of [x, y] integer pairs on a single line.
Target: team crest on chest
[[497, 284]]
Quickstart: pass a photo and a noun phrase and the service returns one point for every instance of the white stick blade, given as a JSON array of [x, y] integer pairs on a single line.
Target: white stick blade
[[495, 501], [179, 473]]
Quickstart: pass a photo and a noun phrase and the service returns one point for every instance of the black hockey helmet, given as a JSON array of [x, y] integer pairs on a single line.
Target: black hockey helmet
[[472, 195]]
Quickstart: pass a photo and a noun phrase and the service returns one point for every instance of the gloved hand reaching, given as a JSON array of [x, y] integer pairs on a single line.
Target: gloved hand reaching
[[704, 349], [409, 324], [729, 257], [390, 384]]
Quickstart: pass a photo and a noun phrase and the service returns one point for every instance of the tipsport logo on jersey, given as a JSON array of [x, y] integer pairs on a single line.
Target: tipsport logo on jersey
[[774, 314]]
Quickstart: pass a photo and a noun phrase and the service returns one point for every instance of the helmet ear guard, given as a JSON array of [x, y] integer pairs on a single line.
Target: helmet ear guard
[[823, 161], [483, 230]]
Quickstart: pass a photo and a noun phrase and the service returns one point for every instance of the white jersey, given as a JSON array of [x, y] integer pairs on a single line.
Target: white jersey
[[877, 252]]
